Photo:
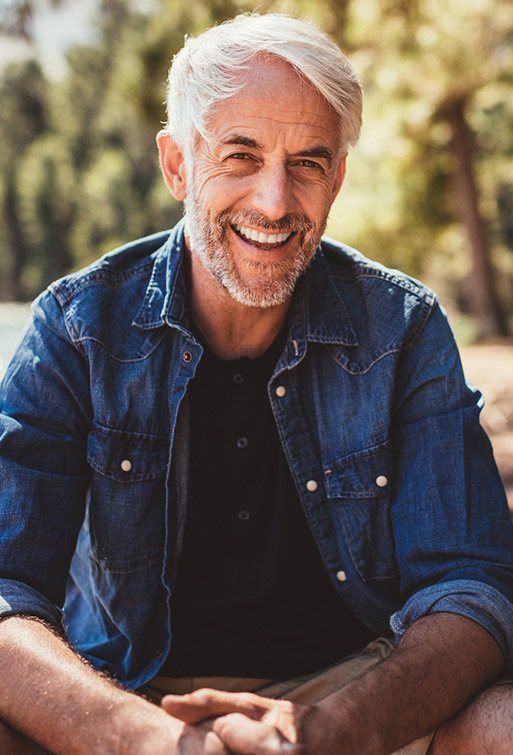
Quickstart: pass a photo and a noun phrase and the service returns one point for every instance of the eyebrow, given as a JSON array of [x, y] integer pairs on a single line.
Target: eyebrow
[[317, 150]]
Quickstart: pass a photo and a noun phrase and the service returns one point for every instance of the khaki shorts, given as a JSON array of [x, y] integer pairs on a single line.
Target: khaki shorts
[[308, 689]]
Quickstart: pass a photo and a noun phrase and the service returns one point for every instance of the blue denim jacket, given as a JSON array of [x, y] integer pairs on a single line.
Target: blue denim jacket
[[381, 432]]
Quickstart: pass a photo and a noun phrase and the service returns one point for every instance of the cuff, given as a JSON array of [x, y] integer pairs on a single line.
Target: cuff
[[19, 598], [467, 597]]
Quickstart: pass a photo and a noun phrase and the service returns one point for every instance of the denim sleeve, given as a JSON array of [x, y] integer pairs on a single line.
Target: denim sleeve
[[43, 468], [452, 529]]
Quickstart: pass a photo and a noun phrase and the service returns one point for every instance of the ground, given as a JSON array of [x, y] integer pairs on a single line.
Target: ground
[[489, 366]]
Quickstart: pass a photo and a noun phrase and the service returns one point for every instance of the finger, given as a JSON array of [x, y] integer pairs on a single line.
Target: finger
[[243, 735], [208, 703]]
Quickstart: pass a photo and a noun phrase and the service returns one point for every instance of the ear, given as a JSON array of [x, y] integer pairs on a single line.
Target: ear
[[172, 165], [339, 177]]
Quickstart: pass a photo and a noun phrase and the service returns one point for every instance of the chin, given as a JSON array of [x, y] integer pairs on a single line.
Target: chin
[[260, 296]]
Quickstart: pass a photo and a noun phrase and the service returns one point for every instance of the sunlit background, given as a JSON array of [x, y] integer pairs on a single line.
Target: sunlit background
[[429, 187]]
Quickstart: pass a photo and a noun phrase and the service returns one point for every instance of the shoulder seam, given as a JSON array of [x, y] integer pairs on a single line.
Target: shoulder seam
[[70, 339], [417, 330], [367, 271], [64, 291]]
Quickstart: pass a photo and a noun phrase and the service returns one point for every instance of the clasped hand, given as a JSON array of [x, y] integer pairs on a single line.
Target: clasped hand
[[247, 723]]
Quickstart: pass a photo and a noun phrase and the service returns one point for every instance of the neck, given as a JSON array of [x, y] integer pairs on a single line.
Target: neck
[[230, 329]]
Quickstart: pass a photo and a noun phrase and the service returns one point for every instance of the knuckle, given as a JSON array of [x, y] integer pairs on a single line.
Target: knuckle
[[203, 695], [248, 697]]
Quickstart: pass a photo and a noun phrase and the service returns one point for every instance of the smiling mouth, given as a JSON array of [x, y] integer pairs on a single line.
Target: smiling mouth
[[261, 240]]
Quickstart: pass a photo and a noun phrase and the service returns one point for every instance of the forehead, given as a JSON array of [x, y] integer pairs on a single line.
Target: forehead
[[277, 101]]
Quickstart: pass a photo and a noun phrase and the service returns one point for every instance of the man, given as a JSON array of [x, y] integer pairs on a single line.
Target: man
[[236, 454]]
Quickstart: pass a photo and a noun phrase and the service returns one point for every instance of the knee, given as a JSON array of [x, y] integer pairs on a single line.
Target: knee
[[484, 726], [14, 743]]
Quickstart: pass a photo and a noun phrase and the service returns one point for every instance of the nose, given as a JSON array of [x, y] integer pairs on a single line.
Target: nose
[[272, 195]]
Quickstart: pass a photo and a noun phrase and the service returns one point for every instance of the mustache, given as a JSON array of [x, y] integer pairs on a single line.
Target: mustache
[[286, 224]]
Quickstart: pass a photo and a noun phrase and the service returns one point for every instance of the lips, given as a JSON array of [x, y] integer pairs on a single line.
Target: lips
[[242, 233]]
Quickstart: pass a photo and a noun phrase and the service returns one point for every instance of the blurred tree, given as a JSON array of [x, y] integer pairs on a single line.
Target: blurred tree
[[45, 196], [17, 17], [23, 117], [424, 68], [436, 153]]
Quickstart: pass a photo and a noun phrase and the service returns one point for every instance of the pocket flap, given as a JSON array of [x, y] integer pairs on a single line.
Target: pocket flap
[[365, 474], [127, 457]]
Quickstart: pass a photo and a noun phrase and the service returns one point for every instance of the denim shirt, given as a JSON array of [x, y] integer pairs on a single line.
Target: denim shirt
[[380, 430]]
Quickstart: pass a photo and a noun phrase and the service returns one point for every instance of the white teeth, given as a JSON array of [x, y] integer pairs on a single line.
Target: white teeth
[[262, 238]]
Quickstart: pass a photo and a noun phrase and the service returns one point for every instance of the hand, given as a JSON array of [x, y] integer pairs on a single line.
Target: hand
[[156, 733], [248, 723], [200, 740]]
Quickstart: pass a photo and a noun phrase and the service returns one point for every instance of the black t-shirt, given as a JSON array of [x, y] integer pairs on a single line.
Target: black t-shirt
[[252, 596]]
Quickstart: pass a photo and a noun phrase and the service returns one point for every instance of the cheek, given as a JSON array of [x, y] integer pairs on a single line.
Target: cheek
[[216, 181], [315, 196]]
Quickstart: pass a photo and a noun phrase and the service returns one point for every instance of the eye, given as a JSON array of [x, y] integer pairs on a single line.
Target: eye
[[241, 156], [309, 164]]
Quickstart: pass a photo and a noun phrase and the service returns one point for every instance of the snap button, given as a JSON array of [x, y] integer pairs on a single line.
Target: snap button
[[381, 481], [311, 486], [341, 576], [281, 391], [126, 465], [187, 356], [242, 443], [238, 378], [244, 515]]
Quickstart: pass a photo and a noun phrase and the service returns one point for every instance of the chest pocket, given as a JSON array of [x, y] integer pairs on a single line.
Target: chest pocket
[[359, 489], [127, 498]]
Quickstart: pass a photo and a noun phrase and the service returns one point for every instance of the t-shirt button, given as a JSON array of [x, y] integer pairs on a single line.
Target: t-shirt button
[[341, 576], [238, 378], [244, 515], [242, 443]]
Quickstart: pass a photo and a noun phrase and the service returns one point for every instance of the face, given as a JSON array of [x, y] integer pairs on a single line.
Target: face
[[262, 184]]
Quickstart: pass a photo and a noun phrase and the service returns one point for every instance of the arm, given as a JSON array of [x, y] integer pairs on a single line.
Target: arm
[[442, 661], [454, 550], [55, 698], [47, 691], [52, 696]]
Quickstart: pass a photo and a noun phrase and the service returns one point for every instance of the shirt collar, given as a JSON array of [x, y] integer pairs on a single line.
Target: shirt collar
[[165, 296], [318, 312]]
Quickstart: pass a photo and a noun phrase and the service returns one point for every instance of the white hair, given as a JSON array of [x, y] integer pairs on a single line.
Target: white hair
[[207, 70]]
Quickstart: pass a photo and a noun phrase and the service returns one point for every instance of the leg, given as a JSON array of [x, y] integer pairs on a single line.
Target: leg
[[14, 743], [484, 727]]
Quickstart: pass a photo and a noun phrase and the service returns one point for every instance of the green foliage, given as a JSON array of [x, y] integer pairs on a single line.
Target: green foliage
[[78, 165]]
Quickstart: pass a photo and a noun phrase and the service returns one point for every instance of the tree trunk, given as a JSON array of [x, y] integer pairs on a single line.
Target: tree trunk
[[484, 301]]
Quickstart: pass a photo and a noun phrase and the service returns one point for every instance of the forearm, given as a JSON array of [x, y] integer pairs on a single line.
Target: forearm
[[441, 663], [50, 695]]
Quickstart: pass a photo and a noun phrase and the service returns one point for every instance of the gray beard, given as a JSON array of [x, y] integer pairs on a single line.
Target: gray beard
[[277, 281]]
